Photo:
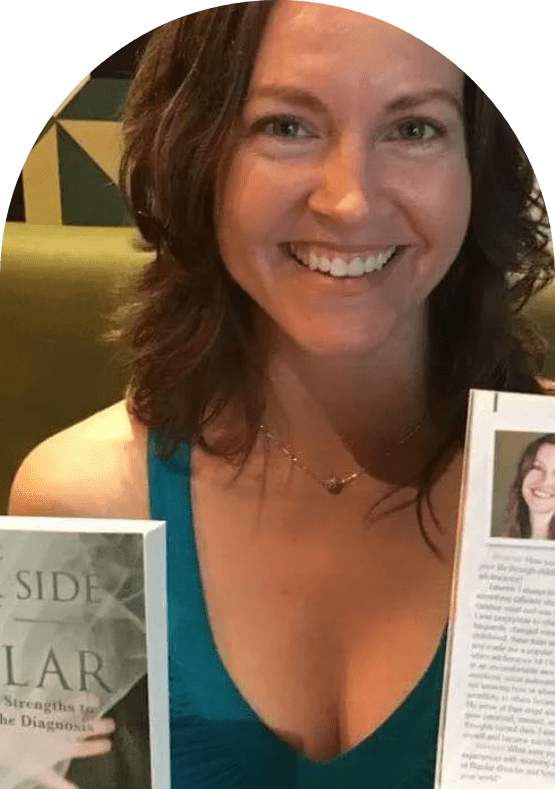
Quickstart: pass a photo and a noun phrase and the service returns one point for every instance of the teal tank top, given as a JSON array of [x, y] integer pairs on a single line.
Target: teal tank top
[[217, 740]]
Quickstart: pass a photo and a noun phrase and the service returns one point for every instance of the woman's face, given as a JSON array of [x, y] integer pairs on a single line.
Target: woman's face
[[345, 197], [538, 485]]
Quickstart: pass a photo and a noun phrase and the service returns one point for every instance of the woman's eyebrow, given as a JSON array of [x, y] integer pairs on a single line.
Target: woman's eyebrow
[[305, 99], [411, 100], [288, 93]]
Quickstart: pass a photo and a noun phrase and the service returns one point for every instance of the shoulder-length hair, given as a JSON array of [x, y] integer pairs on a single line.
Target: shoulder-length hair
[[187, 326], [517, 514]]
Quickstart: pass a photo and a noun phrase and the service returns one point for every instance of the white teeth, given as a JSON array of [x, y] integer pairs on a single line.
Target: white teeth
[[356, 268], [338, 268], [371, 264], [341, 267]]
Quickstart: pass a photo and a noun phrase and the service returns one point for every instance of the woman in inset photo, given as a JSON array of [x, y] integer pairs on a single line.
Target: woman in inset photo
[[531, 506]]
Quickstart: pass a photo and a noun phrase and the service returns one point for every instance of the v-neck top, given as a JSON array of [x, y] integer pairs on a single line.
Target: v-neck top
[[217, 740]]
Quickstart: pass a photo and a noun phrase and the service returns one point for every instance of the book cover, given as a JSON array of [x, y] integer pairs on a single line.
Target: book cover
[[498, 707], [83, 654]]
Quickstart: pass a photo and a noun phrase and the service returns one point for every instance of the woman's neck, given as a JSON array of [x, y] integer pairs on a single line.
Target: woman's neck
[[339, 410]]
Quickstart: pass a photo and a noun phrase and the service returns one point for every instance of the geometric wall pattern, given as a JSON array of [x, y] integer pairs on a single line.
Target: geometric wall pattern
[[71, 173]]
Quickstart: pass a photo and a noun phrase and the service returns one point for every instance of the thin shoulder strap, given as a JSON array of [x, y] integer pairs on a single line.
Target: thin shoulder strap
[[170, 500], [169, 483]]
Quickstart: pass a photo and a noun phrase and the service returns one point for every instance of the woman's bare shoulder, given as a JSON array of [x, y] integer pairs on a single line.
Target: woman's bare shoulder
[[95, 469]]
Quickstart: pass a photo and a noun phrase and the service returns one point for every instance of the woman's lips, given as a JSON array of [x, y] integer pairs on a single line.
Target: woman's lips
[[341, 264], [543, 495]]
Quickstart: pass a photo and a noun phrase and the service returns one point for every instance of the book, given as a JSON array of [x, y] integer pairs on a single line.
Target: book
[[83, 654], [497, 723]]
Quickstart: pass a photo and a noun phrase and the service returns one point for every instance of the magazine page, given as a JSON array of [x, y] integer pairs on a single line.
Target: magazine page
[[77, 688], [498, 710]]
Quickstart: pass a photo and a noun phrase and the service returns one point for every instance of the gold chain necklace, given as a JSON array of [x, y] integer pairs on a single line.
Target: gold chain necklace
[[334, 484]]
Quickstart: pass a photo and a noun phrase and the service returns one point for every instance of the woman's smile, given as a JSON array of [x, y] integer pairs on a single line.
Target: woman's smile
[[333, 272], [340, 262], [539, 494]]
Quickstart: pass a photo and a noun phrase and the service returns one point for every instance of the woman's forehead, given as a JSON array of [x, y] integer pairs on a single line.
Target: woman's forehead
[[309, 38], [546, 453]]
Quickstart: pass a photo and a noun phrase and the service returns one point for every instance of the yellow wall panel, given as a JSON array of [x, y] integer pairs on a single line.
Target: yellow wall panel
[[41, 182]]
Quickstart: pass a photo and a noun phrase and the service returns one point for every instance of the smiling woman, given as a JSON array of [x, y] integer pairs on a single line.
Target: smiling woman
[[344, 231], [531, 505]]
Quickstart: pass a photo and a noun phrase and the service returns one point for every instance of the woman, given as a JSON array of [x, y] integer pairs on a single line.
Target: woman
[[531, 505], [334, 227]]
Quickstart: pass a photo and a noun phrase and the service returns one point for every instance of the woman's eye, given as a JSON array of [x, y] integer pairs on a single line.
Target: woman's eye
[[283, 126], [415, 130]]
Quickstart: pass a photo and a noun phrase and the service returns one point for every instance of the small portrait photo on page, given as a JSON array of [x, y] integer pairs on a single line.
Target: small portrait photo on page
[[523, 502]]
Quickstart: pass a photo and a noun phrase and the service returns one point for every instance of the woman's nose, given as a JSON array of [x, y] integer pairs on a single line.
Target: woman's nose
[[347, 189]]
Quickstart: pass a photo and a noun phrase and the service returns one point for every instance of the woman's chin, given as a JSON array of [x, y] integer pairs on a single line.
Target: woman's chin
[[325, 338], [334, 347], [536, 508]]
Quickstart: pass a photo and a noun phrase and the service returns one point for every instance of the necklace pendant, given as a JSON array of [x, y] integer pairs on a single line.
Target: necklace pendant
[[335, 485]]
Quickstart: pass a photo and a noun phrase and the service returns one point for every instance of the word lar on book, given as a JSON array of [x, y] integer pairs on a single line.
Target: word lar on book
[[80, 673]]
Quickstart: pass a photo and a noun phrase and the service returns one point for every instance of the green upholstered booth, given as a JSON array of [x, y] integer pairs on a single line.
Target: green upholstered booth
[[541, 311], [56, 284]]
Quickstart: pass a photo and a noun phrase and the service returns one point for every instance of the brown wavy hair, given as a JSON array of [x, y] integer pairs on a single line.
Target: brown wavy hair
[[187, 327], [517, 514]]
